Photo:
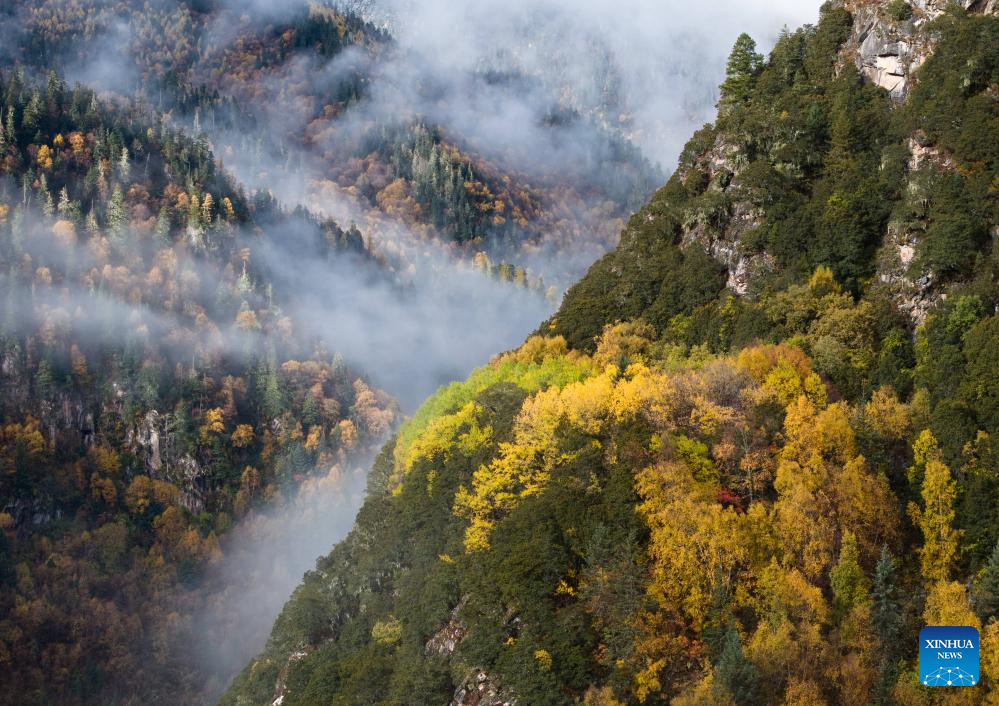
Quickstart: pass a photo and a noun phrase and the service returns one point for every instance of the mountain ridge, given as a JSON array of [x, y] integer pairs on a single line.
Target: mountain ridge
[[694, 484]]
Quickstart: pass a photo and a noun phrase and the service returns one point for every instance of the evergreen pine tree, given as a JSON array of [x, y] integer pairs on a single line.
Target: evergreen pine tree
[[116, 216], [987, 588], [744, 64], [886, 619], [91, 223], [32, 113], [735, 674], [45, 197], [162, 227], [849, 586], [69, 210], [124, 166], [885, 614], [310, 411], [10, 128], [63, 201]]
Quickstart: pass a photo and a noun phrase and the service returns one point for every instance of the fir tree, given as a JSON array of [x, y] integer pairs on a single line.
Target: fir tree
[[885, 615], [45, 197], [310, 410], [116, 217], [162, 227], [744, 64], [32, 113], [124, 166], [987, 588], [91, 223], [849, 586], [735, 674], [886, 619], [9, 127]]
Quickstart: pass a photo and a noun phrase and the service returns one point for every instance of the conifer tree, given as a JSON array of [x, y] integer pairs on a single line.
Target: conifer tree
[[744, 64], [735, 674], [124, 167], [91, 222], [987, 588], [885, 616], [45, 197], [886, 619], [849, 585], [936, 517], [310, 410], [32, 112], [9, 126], [162, 227], [116, 216]]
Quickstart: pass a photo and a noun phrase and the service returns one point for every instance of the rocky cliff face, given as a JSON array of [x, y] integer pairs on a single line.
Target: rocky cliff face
[[888, 49], [888, 44], [724, 165], [480, 689]]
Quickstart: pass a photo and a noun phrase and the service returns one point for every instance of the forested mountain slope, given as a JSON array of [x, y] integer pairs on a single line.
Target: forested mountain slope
[[165, 372], [754, 451], [153, 389], [327, 111]]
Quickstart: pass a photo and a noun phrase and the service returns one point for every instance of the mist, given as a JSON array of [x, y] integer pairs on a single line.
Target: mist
[[649, 67], [264, 560], [645, 68], [408, 338], [490, 73], [667, 60]]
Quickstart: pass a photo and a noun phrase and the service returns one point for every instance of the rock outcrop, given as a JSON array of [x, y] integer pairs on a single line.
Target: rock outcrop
[[444, 641], [481, 689], [887, 44], [888, 48]]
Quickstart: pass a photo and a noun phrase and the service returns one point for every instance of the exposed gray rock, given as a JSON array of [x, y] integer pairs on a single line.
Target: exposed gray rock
[[888, 51], [445, 640], [914, 296], [721, 230], [742, 268], [185, 474], [147, 436], [935, 8], [480, 689], [280, 688]]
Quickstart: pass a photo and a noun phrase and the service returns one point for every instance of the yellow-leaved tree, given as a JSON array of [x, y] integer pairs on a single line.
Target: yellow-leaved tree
[[825, 488], [936, 517], [524, 465]]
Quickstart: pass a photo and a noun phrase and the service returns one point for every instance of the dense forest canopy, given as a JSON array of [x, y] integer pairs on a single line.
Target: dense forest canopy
[[154, 390], [753, 452], [167, 369], [319, 95]]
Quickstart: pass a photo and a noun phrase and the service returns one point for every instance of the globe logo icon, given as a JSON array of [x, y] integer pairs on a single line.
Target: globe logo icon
[[948, 656]]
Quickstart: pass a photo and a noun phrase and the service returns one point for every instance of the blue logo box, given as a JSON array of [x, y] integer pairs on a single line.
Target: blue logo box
[[948, 656]]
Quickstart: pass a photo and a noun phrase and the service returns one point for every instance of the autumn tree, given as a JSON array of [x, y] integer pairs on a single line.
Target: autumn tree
[[936, 516], [825, 488]]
